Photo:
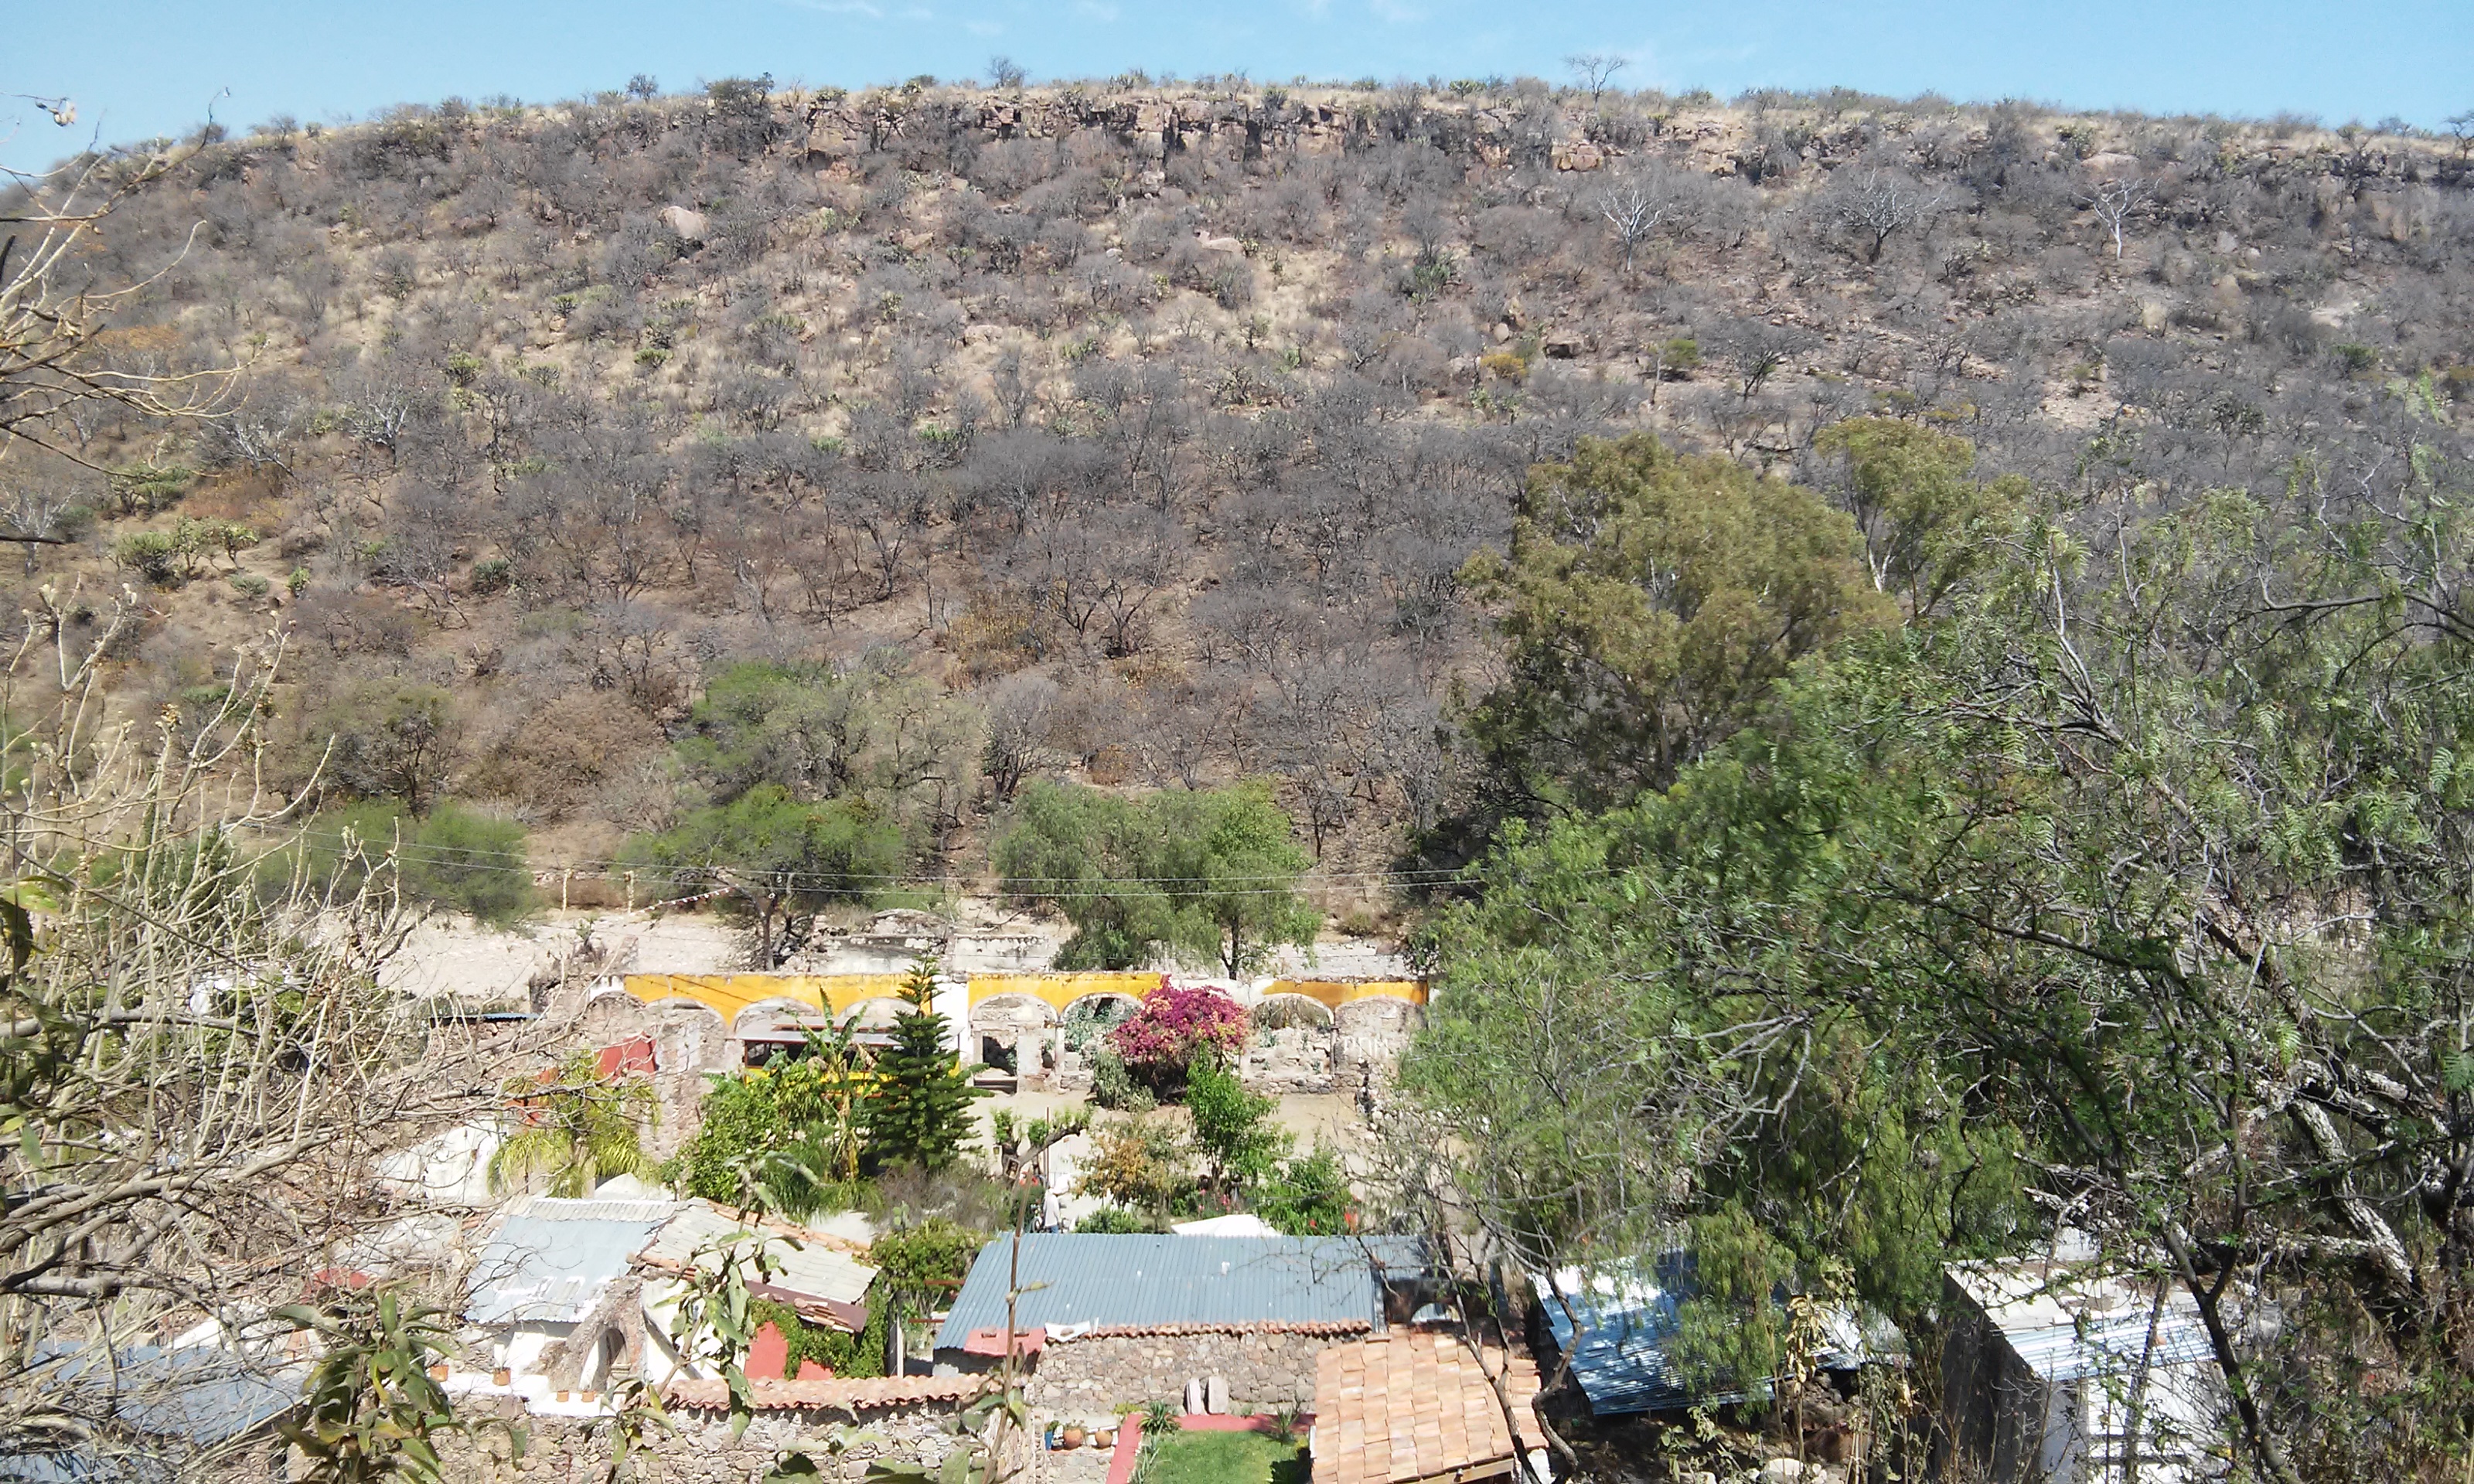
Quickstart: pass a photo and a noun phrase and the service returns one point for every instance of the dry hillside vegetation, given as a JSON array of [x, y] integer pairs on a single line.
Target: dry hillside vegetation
[[1132, 436]]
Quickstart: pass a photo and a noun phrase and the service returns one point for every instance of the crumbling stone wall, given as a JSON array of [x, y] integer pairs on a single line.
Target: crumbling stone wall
[[1369, 1036], [1291, 1059], [701, 1450], [1263, 1370]]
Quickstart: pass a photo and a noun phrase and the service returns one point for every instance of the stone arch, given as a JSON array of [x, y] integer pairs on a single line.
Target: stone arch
[[875, 1014], [611, 1015], [1007, 1032], [1283, 1009], [776, 1022], [689, 1035], [607, 1353]]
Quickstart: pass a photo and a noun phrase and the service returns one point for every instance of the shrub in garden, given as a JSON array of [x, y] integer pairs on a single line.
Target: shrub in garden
[[1175, 1028]]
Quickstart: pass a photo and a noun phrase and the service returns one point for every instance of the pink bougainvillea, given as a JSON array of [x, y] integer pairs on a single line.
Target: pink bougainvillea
[[1176, 1025]]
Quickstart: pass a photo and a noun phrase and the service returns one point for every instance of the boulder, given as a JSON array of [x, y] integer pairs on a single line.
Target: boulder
[[690, 226]]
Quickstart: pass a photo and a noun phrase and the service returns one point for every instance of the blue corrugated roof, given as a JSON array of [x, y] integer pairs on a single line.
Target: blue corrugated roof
[[551, 1259], [1166, 1280], [192, 1398], [1627, 1321]]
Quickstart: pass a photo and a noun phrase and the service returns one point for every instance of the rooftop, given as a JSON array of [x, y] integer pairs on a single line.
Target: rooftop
[[803, 1262], [1156, 1280], [550, 1258], [1628, 1318], [1417, 1404], [2071, 1320]]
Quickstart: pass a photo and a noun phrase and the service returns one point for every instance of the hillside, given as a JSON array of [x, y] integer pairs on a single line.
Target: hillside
[[1130, 435]]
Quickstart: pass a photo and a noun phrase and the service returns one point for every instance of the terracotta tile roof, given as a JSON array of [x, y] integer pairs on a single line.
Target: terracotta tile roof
[[829, 1394], [1415, 1405]]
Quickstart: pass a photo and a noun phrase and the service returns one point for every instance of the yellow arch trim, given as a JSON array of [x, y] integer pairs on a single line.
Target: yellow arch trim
[[732, 993], [1059, 990], [1332, 994]]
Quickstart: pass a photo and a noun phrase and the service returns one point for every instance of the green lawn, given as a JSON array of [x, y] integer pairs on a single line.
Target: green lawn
[[1224, 1458]]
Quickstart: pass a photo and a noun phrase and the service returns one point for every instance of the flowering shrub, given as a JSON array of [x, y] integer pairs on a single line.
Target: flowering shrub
[[1174, 1027]]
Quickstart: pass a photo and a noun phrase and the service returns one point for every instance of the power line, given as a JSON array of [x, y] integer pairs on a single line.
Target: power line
[[603, 869]]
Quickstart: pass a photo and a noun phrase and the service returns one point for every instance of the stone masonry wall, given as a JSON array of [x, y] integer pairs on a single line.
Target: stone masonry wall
[[701, 1450], [1092, 1376]]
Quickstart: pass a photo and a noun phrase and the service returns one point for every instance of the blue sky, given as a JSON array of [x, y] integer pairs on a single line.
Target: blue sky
[[145, 69]]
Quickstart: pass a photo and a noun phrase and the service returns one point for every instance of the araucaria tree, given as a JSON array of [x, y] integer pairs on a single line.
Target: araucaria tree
[[920, 1111]]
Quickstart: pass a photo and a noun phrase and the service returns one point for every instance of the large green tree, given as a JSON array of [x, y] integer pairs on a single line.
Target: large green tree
[[779, 860], [2131, 892], [1207, 874], [1648, 601]]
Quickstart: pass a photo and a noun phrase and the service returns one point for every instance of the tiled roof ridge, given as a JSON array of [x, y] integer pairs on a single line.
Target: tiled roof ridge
[[835, 1393], [1211, 1327]]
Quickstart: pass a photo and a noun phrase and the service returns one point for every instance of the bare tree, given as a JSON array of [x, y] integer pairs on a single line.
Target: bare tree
[[1879, 204], [2113, 202], [51, 313], [201, 1062], [1594, 69], [1635, 212]]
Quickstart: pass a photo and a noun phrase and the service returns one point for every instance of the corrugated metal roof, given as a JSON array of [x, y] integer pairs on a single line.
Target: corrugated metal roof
[[1627, 1320], [551, 1258], [199, 1395], [812, 1267], [1168, 1279], [2068, 1323]]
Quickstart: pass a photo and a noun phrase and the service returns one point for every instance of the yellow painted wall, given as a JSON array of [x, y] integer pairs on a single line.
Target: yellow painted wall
[[1333, 994], [1062, 989], [731, 993]]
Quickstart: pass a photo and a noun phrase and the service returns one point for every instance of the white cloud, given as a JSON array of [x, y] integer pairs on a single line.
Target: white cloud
[[1094, 10], [983, 28], [1396, 14]]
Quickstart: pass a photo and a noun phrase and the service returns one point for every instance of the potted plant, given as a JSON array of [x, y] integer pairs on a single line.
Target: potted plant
[[1073, 1435], [502, 1376]]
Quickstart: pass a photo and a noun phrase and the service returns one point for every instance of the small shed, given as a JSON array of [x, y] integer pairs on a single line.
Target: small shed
[[1627, 1317], [1118, 1319], [549, 1270], [2049, 1362], [1419, 1404]]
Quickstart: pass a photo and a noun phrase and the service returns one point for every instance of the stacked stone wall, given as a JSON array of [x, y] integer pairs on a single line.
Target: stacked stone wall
[[1095, 1376]]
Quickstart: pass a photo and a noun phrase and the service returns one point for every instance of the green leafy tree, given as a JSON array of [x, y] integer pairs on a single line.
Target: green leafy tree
[[458, 859], [470, 862], [787, 1136], [1232, 1128], [2140, 881], [920, 1111], [1231, 874], [1928, 526], [1209, 876], [1649, 600], [573, 1131], [779, 859], [1307, 1196]]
